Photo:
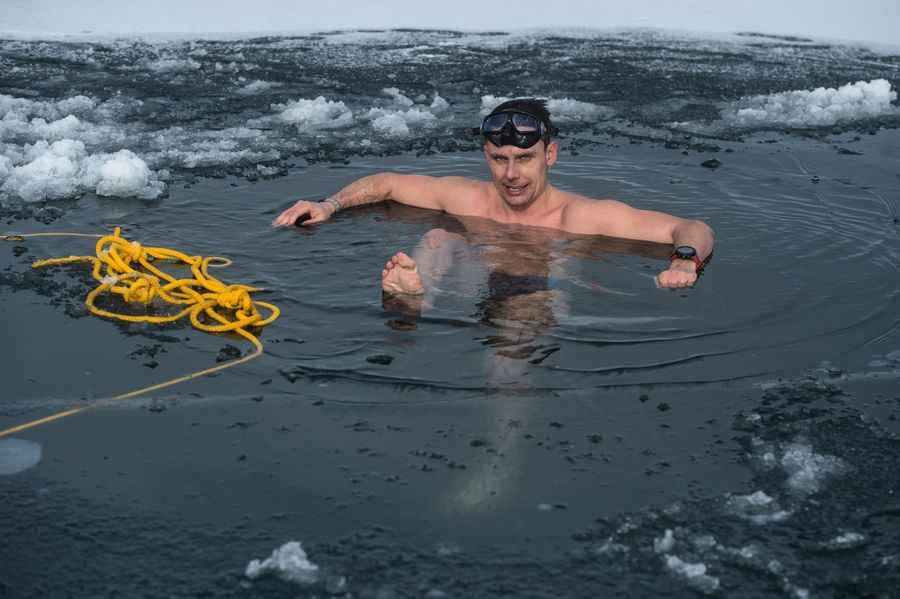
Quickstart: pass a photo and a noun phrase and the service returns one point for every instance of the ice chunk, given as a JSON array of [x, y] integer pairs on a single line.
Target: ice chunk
[[694, 574], [289, 562], [59, 129], [18, 455], [64, 169], [397, 96], [438, 104], [315, 114], [396, 123], [51, 172], [121, 174], [567, 109], [391, 124], [561, 109], [169, 65], [757, 507], [808, 470], [75, 105], [256, 87], [665, 543], [6, 167], [815, 108], [847, 540]]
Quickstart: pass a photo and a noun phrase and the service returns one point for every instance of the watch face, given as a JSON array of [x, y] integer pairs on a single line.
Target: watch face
[[685, 252]]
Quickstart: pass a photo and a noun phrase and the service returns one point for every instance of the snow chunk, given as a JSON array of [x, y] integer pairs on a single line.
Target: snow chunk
[[757, 507], [59, 129], [18, 455], [808, 470], [64, 169], [315, 114], [172, 65], [573, 111], [694, 574], [665, 543], [561, 110], [76, 105], [256, 87], [288, 562], [391, 124], [50, 174], [438, 104], [847, 540], [121, 174], [815, 108], [397, 96], [396, 123]]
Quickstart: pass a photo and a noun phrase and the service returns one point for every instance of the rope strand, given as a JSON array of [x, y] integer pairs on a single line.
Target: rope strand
[[126, 269]]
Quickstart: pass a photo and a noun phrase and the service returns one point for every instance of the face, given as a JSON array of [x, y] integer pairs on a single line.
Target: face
[[520, 175]]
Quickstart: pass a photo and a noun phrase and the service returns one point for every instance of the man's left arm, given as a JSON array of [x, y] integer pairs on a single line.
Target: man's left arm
[[684, 272], [616, 219]]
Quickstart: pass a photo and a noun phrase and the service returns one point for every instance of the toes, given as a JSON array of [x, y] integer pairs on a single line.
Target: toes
[[405, 261]]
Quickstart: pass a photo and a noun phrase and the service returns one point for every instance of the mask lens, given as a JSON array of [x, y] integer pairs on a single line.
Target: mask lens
[[494, 123], [525, 123]]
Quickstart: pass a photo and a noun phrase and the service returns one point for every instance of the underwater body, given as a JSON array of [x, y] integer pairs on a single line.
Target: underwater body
[[553, 425]]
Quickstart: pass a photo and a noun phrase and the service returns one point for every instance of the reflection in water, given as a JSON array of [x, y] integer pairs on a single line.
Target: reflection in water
[[519, 272]]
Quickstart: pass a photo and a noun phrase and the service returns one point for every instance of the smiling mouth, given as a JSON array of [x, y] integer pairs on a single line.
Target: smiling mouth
[[515, 190]]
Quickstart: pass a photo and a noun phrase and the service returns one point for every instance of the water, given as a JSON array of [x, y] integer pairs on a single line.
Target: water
[[598, 438]]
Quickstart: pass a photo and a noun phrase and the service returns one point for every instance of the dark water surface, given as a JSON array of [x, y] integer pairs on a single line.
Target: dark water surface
[[553, 425]]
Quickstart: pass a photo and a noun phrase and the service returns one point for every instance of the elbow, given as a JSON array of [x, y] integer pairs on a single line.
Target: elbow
[[697, 232], [706, 233], [383, 184]]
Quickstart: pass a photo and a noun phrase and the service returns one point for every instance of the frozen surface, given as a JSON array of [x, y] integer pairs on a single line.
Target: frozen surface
[[187, 107], [18, 455]]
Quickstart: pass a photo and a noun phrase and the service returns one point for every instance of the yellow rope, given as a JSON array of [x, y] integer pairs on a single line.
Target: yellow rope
[[126, 268]]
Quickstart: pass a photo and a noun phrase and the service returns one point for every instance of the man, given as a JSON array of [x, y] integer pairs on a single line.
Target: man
[[520, 151]]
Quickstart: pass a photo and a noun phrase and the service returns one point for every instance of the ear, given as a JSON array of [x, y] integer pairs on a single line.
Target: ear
[[552, 153]]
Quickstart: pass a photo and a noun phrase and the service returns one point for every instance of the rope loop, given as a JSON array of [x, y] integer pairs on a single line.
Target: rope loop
[[132, 271], [128, 269]]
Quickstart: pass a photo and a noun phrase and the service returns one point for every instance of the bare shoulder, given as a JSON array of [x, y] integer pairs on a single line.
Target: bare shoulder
[[589, 215], [614, 218], [456, 195]]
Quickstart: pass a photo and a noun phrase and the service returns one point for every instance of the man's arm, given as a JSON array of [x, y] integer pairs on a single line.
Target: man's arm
[[412, 190], [615, 219]]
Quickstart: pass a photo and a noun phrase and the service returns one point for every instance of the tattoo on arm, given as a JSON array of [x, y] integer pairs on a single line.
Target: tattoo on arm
[[368, 190]]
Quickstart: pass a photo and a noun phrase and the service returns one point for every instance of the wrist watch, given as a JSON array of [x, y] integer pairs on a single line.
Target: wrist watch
[[686, 252]]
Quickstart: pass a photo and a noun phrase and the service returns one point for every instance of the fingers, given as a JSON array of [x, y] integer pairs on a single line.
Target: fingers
[[301, 208], [675, 279]]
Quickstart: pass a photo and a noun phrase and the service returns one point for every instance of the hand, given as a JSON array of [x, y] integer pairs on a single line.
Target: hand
[[681, 273], [317, 212]]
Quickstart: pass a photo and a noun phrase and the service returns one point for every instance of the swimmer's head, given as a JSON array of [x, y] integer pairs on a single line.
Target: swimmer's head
[[522, 122], [518, 161]]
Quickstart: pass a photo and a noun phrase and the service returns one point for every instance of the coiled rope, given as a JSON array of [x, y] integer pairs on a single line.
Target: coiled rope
[[128, 269]]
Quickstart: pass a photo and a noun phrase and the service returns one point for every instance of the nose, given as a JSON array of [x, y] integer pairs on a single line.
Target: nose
[[512, 171]]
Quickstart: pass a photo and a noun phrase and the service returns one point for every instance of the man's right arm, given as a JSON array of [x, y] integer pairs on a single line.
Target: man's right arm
[[412, 190]]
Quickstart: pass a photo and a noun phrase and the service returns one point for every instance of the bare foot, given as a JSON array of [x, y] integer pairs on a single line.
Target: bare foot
[[400, 276]]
